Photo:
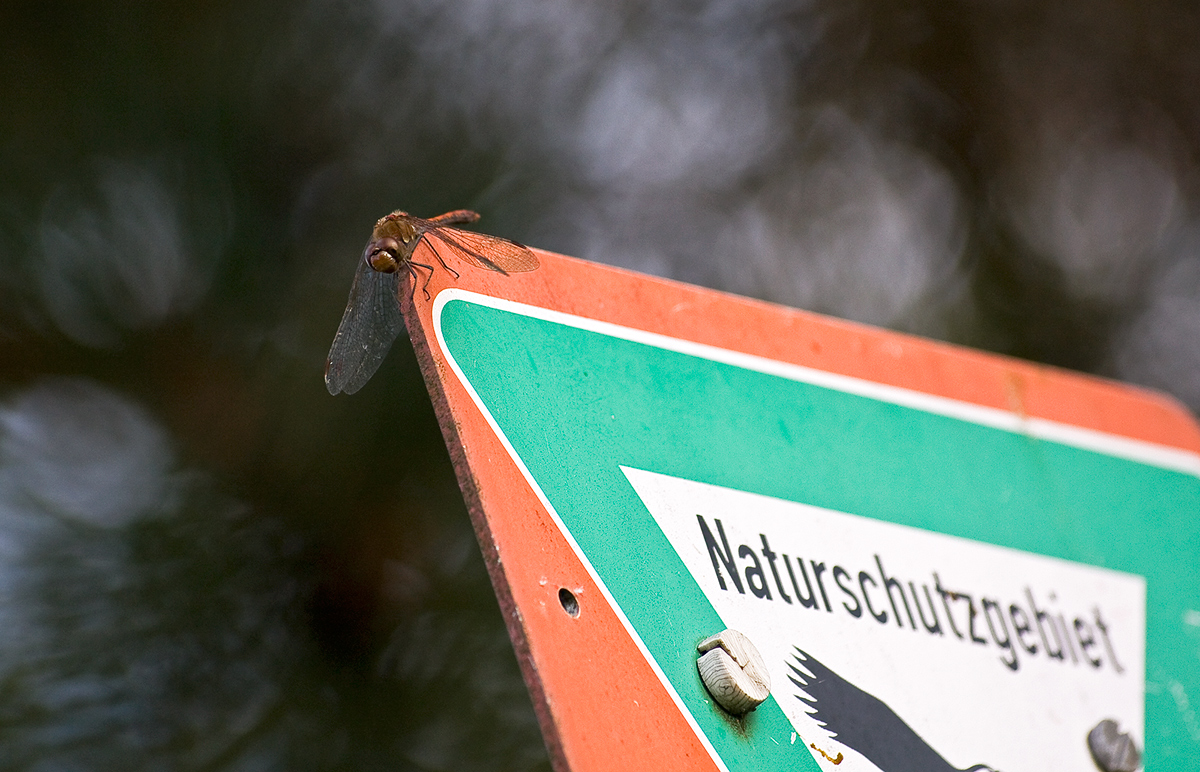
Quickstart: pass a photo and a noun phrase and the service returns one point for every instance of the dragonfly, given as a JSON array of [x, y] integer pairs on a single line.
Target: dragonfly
[[372, 319]]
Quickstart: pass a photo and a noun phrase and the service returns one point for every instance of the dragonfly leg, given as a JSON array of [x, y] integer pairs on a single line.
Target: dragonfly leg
[[408, 266], [440, 260], [413, 268]]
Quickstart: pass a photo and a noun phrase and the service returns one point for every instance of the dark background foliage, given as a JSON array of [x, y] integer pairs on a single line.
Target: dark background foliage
[[207, 562]]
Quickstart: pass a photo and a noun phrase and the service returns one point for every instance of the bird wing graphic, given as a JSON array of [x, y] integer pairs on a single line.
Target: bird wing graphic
[[863, 721]]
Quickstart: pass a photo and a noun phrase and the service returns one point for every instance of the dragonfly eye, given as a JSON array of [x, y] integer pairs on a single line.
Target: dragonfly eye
[[381, 256]]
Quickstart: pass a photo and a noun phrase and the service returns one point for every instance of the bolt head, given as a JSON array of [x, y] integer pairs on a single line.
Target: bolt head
[[1112, 749], [733, 672]]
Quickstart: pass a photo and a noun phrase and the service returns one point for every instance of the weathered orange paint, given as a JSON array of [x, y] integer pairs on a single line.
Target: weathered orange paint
[[600, 705]]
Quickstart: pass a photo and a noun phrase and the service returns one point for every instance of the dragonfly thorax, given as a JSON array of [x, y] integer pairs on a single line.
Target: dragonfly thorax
[[397, 225]]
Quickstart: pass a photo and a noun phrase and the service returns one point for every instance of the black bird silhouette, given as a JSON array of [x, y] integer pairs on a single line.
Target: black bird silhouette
[[864, 722]]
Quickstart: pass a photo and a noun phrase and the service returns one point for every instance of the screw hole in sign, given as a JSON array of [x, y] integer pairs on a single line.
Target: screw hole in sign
[[568, 601]]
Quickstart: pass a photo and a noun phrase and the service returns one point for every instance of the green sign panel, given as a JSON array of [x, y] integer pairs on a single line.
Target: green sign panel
[[589, 409]]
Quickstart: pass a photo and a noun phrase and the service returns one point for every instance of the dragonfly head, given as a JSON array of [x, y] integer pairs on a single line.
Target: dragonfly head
[[383, 255]]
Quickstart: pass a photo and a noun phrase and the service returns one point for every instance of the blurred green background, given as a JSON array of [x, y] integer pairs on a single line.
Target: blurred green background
[[208, 563]]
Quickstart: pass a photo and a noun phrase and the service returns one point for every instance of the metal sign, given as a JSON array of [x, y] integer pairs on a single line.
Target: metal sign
[[947, 560]]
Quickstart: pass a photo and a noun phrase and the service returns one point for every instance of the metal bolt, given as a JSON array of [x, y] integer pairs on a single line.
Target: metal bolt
[[733, 672], [1113, 750]]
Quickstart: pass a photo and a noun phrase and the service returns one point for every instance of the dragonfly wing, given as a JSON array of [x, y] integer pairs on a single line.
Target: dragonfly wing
[[490, 252], [371, 322]]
